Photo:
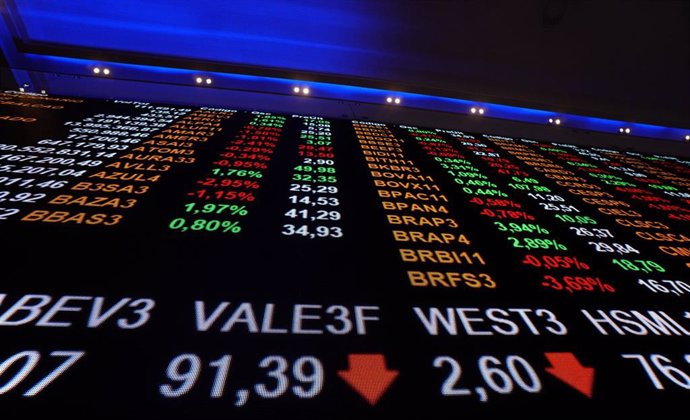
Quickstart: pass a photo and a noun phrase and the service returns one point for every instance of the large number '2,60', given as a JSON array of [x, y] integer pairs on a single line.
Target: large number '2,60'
[[501, 376]]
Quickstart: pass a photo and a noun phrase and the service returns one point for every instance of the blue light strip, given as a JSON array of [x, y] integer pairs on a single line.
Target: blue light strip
[[272, 85]]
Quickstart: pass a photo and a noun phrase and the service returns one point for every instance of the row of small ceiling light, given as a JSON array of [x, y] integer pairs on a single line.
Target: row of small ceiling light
[[393, 100], [474, 110]]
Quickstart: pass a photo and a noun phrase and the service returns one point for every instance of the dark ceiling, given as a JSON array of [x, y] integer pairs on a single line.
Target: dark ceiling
[[611, 58], [614, 59]]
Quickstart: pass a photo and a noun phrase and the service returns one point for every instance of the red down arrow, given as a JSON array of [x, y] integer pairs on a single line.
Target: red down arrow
[[368, 375], [568, 369]]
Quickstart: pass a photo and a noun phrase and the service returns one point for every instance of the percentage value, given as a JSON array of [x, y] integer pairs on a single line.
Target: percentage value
[[226, 195], [495, 202], [212, 208], [485, 191], [537, 243], [507, 214], [554, 262], [576, 283], [225, 226], [521, 228]]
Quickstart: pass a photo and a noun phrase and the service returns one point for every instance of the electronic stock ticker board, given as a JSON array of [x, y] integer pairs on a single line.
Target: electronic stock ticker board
[[168, 262]]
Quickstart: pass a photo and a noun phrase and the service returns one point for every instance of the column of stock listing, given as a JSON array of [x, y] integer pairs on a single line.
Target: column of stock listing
[[314, 204], [102, 166], [221, 197], [433, 245]]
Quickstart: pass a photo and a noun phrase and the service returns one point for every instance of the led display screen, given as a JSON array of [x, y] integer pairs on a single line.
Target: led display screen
[[168, 262]]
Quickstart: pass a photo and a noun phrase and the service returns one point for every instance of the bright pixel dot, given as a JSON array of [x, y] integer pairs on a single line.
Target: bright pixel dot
[[305, 91], [389, 99], [397, 101], [473, 110], [96, 70], [208, 81], [199, 80], [106, 71], [295, 89]]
